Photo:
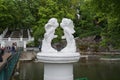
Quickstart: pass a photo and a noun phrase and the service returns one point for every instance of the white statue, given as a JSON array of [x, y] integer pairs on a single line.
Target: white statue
[[49, 35], [68, 27]]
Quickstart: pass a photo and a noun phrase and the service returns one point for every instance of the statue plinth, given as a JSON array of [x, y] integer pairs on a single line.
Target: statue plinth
[[58, 66], [58, 57]]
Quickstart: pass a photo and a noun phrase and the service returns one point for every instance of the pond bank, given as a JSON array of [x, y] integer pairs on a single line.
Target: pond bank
[[100, 53], [104, 56], [114, 56], [27, 56]]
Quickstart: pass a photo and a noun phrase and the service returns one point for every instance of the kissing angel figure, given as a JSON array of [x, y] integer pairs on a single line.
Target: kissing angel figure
[[68, 27], [49, 35]]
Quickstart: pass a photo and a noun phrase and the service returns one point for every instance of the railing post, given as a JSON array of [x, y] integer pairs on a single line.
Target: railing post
[[9, 39], [21, 39]]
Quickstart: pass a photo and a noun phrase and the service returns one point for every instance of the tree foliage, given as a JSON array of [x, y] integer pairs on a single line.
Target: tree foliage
[[17, 13], [111, 10], [97, 17]]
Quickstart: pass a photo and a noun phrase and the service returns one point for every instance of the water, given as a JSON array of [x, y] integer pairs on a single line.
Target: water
[[98, 70], [92, 70], [30, 71]]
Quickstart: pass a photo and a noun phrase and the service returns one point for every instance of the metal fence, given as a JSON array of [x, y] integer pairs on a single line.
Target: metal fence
[[7, 69]]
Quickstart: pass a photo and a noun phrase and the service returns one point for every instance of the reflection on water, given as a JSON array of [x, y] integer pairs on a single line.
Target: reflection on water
[[98, 70], [91, 70], [30, 71]]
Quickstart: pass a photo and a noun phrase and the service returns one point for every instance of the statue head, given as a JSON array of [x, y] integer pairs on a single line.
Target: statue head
[[67, 24], [52, 23]]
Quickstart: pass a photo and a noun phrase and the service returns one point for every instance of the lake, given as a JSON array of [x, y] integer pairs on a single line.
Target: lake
[[93, 70]]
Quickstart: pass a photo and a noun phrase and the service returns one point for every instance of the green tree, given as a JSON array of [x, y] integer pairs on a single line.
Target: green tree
[[111, 10], [5, 17], [20, 12], [88, 24]]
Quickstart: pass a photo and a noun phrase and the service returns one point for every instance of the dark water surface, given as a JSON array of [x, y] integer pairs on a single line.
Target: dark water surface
[[92, 70], [98, 70]]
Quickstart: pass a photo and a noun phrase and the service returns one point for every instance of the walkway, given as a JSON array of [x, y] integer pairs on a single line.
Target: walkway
[[5, 57]]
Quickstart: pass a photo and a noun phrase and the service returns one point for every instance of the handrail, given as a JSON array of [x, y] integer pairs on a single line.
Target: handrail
[[9, 66], [24, 39]]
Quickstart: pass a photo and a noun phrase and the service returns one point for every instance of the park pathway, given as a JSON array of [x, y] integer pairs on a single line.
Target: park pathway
[[5, 57]]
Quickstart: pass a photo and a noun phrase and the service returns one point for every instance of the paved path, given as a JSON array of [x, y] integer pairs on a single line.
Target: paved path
[[27, 56], [5, 57]]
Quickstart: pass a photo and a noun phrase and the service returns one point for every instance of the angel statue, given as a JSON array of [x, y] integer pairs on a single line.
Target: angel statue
[[49, 35], [68, 27]]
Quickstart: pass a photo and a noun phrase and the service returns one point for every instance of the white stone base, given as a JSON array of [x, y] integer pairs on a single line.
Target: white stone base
[[58, 57], [58, 66], [58, 71]]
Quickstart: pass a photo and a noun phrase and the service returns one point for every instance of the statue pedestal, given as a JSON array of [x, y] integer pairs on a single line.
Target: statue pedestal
[[58, 71], [58, 66]]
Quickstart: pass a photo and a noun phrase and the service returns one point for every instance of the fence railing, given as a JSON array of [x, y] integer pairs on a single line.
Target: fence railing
[[15, 39], [9, 66]]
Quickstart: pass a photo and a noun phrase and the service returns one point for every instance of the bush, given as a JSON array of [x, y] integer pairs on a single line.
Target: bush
[[31, 44]]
